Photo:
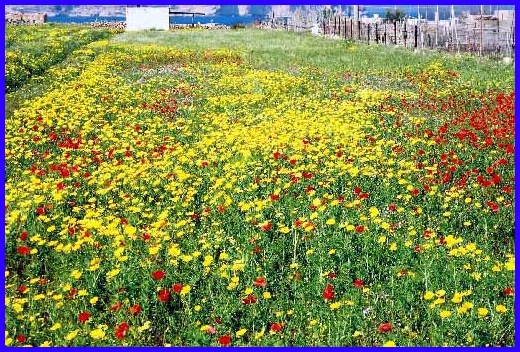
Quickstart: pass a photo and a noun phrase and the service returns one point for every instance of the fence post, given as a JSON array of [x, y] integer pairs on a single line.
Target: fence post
[[368, 34], [377, 35], [351, 29], [345, 29], [359, 30], [415, 43], [395, 32], [324, 32]]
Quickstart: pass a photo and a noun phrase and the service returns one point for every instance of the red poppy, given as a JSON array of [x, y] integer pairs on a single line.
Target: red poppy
[[257, 250], [260, 282], [276, 155], [121, 330], [332, 275], [22, 288], [21, 338], [274, 197], [267, 226], [385, 327], [72, 292], [146, 236], [177, 288], [24, 235], [360, 229], [277, 327], [417, 249], [249, 300], [392, 207], [493, 206], [164, 295], [358, 283], [158, 275], [357, 190], [83, 317], [40, 210], [135, 309], [328, 292], [224, 340], [508, 291], [116, 307], [23, 250]]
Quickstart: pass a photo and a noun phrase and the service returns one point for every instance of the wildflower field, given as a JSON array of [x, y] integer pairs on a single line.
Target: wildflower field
[[244, 188]]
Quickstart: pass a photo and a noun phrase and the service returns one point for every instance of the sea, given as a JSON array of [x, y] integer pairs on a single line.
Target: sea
[[178, 19], [368, 11]]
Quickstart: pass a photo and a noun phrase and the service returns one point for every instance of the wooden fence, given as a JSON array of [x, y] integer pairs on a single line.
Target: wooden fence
[[484, 37]]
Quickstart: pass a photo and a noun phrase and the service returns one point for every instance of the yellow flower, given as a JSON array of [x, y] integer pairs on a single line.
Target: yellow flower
[[248, 291], [330, 221], [445, 313], [440, 293], [197, 308], [241, 332], [389, 343], [357, 334], [501, 308], [185, 290], [56, 326], [97, 334], [71, 335], [266, 295], [335, 305], [76, 274], [482, 312], [428, 295], [258, 335], [93, 300]]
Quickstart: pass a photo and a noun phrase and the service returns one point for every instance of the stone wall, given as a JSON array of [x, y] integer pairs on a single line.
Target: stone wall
[[25, 18]]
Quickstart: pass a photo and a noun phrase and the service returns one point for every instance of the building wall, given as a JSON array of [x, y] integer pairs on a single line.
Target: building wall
[[143, 18]]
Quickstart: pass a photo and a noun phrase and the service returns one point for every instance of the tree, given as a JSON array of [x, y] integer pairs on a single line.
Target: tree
[[396, 15]]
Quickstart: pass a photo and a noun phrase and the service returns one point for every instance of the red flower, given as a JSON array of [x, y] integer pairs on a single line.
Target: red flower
[[116, 307], [121, 330], [21, 338], [224, 340], [24, 235], [357, 190], [277, 327], [22, 288], [360, 229], [83, 317], [164, 295], [23, 250], [135, 309], [392, 207], [177, 288], [332, 275], [260, 282], [274, 197], [385, 327], [508, 291], [276, 155], [72, 292], [358, 283], [158, 275], [40, 210], [328, 292], [494, 207], [266, 227], [417, 249], [249, 300]]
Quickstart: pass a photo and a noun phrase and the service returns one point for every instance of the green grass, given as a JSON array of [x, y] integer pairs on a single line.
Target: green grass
[[280, 50]]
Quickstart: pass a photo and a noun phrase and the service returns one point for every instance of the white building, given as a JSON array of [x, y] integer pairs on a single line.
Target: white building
[[141, 17]]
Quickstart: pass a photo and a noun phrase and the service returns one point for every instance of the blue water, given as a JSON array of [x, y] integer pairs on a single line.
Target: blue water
[[177, 19]]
